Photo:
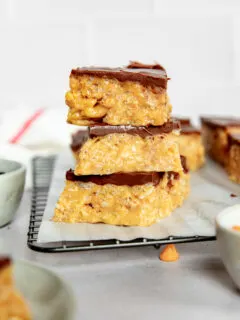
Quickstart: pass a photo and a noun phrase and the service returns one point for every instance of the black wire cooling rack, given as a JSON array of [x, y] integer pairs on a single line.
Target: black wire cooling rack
[[42, 168]]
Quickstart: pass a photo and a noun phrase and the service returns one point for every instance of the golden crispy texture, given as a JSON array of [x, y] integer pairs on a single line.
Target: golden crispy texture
[[233, 164], [128, 153], [140, 205], [114, 102], [215, 141], [12, 304], [191, 146], [6, 278]]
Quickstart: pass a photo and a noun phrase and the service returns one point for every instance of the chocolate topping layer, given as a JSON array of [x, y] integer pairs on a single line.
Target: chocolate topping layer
[[221, 122], [104, 129], [183, 121], [234, 138], [139, 65], [4, 262], [119, 179], [186, 126], [147, 77], [99, 130], [184, 164], [190, 130]]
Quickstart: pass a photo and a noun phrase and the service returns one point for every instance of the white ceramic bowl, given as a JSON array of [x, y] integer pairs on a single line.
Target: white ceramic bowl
[[229, 241], [11, 189]]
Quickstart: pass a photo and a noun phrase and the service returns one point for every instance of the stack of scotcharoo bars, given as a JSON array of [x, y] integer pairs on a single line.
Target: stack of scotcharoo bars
[[128, 167]]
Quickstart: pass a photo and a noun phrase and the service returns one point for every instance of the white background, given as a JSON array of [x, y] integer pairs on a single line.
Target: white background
[[197, 41]]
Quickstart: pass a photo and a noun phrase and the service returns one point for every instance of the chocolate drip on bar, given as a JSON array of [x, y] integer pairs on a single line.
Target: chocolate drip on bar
[[139, 65], [221, 122], [119, 179], [147, 77], [78, 139], [104, 129], [4, 262], [184, 164], [171, 177]]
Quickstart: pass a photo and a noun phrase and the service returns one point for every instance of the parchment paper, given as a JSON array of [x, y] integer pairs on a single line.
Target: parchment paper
[[210, 193]]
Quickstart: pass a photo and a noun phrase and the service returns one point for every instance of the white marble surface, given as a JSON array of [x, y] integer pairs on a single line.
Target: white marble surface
[[133, 283]]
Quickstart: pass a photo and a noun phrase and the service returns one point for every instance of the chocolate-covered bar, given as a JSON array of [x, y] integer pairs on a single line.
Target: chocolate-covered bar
[[134, 200], [109, 149], [102, 129], [215, 131], [191, 144], [119, 96], [233, 164], [12, 304]]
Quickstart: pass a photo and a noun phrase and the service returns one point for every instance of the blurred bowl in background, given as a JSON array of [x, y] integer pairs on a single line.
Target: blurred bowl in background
[[12, 181], [229, 241]]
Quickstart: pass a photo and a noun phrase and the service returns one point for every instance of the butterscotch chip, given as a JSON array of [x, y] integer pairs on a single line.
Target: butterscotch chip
[[233, 163], [118, 96], [191, 144], [123, 202], [169, 253], [215, 136]]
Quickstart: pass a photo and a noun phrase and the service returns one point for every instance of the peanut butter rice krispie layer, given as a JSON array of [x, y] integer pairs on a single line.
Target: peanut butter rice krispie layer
[[215, 136], [191, 144], [121, 96], [233, 164], [110, 149], [12, 304], [136, 199]]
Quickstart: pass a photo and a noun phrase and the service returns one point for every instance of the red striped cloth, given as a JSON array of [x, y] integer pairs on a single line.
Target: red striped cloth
[[26, 125]]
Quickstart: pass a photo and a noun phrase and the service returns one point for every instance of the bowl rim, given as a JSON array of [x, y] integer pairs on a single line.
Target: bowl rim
[[21, 168], [53, 272], [225, 211]]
